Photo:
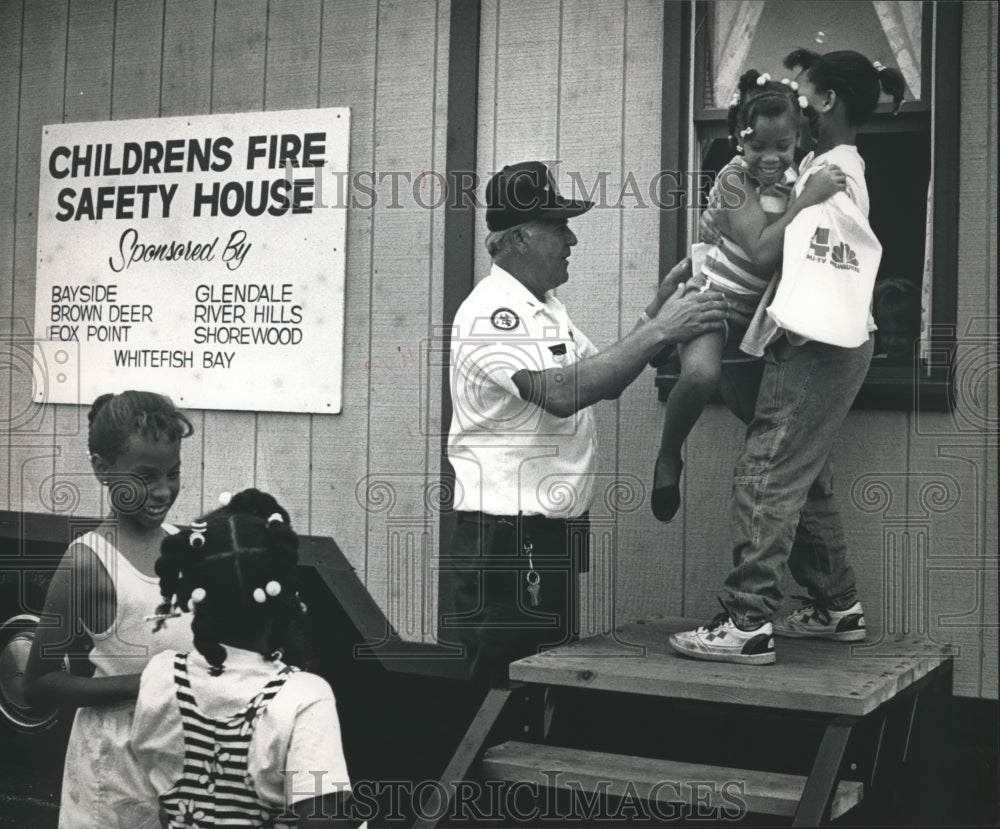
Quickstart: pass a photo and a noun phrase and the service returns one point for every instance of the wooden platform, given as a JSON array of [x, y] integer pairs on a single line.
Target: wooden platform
[[817, 676], [835, 685]]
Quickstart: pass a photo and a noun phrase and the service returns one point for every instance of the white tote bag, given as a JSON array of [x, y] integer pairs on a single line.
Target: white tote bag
[[828, 272]]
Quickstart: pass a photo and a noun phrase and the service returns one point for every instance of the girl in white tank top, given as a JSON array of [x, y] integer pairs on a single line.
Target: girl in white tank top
[[106, 587]]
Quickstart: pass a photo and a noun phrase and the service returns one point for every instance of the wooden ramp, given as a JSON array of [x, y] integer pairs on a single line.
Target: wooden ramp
[[826, 677], [837, 685]]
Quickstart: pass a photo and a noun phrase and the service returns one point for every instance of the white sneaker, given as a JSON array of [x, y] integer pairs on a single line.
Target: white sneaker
[[814, 621], [722, 641]]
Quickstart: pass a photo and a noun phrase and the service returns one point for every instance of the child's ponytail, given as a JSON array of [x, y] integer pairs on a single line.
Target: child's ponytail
[[747, 81], [206, 640], [254, 502], [892, 82], [801, 59]]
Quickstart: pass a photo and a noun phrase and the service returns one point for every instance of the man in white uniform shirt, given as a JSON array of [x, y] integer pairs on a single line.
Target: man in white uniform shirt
[[522, 437]]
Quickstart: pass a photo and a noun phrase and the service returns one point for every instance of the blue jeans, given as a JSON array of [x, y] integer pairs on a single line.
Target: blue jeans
[[783, 503]]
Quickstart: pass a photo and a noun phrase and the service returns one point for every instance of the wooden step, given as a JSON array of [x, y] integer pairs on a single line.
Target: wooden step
[[666, 781]]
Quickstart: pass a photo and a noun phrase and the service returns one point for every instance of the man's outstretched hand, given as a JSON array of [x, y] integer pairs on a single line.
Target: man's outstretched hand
[[689, 314]]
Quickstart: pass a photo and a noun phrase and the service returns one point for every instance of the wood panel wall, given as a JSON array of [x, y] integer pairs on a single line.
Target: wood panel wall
[[360, 476], [578, 83]]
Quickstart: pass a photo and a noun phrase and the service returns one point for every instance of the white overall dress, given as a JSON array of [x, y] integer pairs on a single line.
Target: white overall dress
[[103, 786]]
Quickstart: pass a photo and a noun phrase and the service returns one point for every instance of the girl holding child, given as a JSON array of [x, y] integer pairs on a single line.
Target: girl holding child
[[751, 194], [783, 502]]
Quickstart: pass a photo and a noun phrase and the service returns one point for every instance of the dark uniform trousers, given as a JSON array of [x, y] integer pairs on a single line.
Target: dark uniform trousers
[[487, 604]]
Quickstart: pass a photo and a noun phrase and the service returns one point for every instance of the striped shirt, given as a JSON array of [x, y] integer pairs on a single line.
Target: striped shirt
[[728, 268], [216, 788]]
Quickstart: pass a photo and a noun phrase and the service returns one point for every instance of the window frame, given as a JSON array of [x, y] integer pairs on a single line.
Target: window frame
[[919, 385]]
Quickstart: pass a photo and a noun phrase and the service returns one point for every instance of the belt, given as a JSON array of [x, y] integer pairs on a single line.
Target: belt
[[539, 527], [538, 523]]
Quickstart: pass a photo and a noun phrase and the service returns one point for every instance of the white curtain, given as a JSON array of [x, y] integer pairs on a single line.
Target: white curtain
[[735, 27], [927, 284], [902, 22]]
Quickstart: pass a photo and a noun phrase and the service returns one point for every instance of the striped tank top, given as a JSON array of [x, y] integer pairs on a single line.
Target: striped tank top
[[216, 788], [727, 266]]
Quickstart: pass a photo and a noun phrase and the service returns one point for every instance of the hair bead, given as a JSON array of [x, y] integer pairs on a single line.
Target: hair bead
[[259, 595], [197, 539], [763, 79], [275, 518], [197, 595], [225, 498], [272, 588]]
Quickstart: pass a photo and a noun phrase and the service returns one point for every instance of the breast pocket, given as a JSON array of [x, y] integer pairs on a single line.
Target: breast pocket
[[559, 353]]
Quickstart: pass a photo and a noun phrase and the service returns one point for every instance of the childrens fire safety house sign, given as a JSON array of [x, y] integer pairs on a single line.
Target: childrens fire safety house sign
[[201, 257]]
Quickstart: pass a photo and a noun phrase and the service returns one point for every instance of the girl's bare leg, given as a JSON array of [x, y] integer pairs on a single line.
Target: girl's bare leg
[[701, 361]]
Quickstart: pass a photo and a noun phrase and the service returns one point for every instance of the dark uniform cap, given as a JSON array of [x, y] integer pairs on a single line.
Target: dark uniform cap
[[526, 191]]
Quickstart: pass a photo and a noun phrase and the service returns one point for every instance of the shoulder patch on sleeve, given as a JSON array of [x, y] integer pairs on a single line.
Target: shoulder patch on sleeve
[[504, 319]]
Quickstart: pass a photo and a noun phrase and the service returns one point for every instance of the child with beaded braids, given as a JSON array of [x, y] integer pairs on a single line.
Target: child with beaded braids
[[751, 195], [233, 732], [105, 587]]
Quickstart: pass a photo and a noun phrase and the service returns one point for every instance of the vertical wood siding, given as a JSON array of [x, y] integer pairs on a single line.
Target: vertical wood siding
[[41, 100], [116, 59], [978, 304], [578, 83]]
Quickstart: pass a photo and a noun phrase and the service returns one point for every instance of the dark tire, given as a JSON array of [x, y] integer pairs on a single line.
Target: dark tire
[[34, 734]]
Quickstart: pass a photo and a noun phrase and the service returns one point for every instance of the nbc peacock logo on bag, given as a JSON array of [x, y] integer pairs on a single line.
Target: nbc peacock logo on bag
[[843, 257], [840, 254]]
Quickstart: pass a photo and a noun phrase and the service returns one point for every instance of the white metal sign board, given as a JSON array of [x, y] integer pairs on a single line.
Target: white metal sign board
[[201, 257]]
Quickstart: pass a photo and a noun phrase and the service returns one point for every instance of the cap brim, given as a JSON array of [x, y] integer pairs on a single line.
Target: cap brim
[[501, 219], [564, 209]]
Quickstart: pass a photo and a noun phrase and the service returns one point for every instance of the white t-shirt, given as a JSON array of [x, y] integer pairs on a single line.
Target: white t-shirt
[[763, 330], [509, 455], [298, 732], [847, 157]]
